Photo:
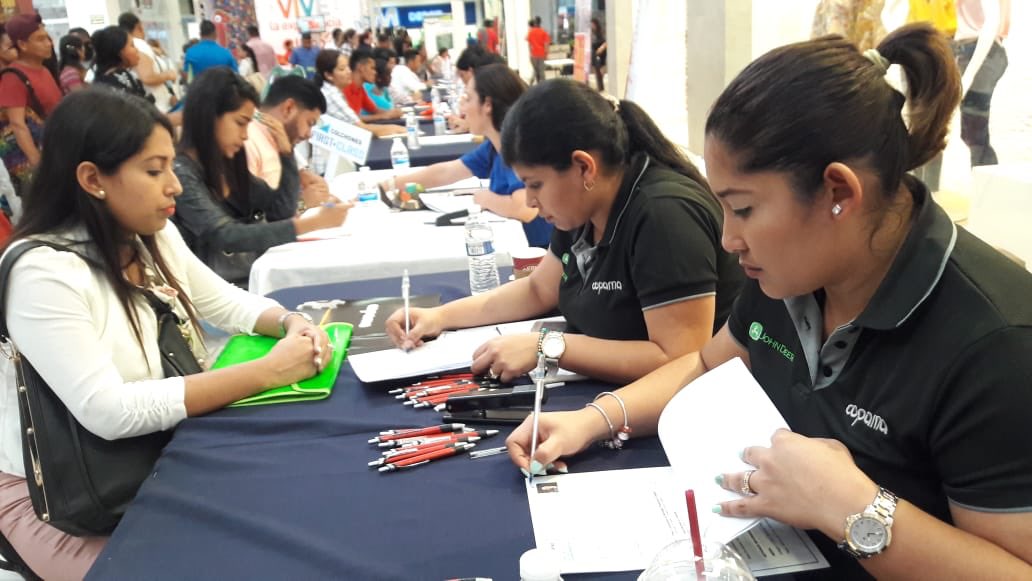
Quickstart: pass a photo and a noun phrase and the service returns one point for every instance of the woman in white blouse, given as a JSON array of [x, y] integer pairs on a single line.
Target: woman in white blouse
[[105, 188]]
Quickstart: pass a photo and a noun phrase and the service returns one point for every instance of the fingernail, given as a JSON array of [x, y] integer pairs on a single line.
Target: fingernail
[[719, 480], [716, 509], [536, 467], [550, 467], [741, 454], [525, 473], [562, 468], [318, 362]]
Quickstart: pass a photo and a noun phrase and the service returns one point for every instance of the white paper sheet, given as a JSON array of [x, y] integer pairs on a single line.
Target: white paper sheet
[[704, 428], [573, 516], [451, 350], [569, 519]]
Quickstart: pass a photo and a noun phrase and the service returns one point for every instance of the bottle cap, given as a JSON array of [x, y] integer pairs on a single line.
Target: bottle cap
[[539, 565]]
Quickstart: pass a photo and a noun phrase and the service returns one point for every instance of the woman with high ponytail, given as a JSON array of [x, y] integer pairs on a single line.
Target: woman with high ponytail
[[895, 345], [634, 264]]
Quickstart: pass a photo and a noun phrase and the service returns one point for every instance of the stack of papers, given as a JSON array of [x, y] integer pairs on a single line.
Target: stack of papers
[[701, 440]]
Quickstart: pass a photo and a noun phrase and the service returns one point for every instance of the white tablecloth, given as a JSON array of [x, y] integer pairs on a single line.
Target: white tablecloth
[[376, 244]]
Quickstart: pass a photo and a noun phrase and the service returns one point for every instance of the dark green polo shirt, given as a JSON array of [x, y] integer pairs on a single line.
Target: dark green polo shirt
[[661, 246], [930, 387]]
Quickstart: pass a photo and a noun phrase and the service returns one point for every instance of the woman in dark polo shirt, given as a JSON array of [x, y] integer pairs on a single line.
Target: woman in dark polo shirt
[[895, 345], [635, 263]]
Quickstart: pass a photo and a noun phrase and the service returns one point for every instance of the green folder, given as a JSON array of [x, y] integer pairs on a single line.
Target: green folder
[[243, 348]]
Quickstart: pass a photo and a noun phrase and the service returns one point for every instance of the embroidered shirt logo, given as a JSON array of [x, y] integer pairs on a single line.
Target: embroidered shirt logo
[[866, 417], [606, 285], [756, 334]]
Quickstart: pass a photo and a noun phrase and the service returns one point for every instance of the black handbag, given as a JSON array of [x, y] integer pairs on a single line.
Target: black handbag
[[79, 482]]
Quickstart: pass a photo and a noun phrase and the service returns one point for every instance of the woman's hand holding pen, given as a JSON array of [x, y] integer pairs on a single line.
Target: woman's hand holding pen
[[298, 356], [327, 215], [559, 434], [506, 357], [422, 323], [809, 483]]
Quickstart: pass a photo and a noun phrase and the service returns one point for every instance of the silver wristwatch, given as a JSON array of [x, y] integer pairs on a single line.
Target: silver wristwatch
[[553, 345], [868, 533]]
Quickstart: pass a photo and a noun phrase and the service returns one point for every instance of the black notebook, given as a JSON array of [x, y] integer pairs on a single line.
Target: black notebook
[[367, 317]]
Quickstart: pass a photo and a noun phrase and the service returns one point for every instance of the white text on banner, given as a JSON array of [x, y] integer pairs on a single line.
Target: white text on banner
[[341, 138]]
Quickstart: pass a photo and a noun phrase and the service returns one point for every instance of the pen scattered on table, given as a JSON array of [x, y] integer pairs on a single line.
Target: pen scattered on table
[[435, 392], [411, 447], [405, 296]]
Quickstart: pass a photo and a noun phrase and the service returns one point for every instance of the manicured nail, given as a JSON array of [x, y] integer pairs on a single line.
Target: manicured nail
[[318, 361], [536, 468], [719, 480], [550, 467], [562, 467], [716, 509], [741, 455], [525, 473]]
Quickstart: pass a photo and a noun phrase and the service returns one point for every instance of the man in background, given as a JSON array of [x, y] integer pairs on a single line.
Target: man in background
[[538, 41], [406, 88], [294, 105], [304, 55], [263, 51], [207, 54]]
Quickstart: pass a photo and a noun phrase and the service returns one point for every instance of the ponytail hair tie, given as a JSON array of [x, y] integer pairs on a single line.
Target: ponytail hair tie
[[876, 57], [613, 101]]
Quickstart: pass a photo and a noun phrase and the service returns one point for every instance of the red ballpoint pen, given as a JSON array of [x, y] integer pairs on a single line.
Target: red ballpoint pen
[[424, 458], [441, 429]]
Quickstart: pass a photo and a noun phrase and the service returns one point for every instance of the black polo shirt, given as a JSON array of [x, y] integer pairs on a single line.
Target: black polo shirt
[[930, 387], [661, 246]]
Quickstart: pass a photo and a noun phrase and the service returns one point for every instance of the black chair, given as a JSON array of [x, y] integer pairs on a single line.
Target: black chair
[[13, 562]]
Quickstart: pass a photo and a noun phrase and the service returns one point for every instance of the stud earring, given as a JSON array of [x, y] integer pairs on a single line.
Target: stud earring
[[101, 194], [588, 186], [836, 210]]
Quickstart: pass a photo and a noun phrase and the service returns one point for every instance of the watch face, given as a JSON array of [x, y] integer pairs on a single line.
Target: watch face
[[553, 346], [868, 534]]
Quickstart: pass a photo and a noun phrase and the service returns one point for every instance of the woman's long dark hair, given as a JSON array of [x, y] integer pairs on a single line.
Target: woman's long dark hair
[[214, 93], [69, 51], [115, 129], [559, 116], [108, 44], [502, 85]]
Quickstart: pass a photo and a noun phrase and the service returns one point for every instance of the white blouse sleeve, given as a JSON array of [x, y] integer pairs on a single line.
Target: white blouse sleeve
[[224, 305], [65, 323]]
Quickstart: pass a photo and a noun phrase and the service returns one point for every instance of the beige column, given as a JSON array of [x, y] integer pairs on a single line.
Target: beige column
[[619, 37]]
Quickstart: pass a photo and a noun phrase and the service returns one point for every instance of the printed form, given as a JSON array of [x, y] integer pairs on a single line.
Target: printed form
[[565, 509]]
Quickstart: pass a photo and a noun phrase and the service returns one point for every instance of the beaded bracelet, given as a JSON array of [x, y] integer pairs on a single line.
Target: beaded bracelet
[[624, 433], [612, 441]]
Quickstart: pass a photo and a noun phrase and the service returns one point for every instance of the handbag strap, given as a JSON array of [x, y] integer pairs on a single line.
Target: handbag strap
[[34, 103], [10, 257]]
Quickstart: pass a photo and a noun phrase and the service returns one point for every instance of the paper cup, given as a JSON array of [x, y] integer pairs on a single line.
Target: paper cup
[[525, 260]]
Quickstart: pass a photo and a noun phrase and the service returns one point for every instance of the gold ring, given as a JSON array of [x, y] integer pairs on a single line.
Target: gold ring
[[746, 490]]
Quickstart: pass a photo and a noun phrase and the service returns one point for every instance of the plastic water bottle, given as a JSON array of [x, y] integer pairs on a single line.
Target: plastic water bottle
[[412, 131], [399, 156], [440, 127], [368, 193], [483, 270]]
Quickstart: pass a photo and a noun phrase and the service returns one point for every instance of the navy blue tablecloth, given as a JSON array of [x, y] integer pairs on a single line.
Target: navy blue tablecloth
[[380, 151], [283, 491]]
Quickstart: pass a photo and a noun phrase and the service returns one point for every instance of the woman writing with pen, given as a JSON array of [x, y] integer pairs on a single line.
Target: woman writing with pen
[[227, 216], [894, 344], [490, 93], [635, 263]]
